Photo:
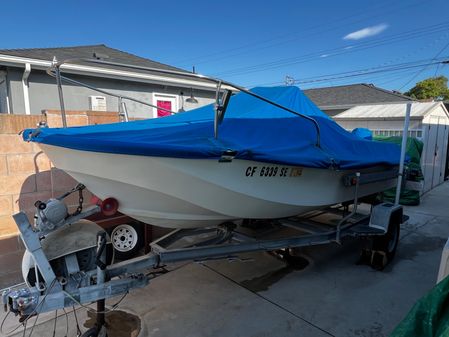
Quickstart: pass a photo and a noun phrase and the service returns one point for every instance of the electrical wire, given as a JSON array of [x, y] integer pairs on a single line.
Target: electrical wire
[[114, 307], [30, 315], [373, 43], [32, 328], [393, 67], [436, 70], [385, 77], [421, 70], [367, 71], [24, 329], [197, 60], [54, 325], [35, 309], [66, 323], [334, 24], [78, 330]]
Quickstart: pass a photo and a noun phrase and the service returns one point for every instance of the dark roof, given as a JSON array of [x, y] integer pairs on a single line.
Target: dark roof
[[346, 96], [63, 53]]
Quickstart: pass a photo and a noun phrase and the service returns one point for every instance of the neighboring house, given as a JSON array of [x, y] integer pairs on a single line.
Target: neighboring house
[[333, 100], [429, 121], [26, 88]]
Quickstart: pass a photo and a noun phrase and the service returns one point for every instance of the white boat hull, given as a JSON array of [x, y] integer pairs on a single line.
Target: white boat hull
[[182, 193]]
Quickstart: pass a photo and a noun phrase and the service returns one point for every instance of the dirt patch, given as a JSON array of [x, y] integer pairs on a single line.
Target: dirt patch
[[118, 323]]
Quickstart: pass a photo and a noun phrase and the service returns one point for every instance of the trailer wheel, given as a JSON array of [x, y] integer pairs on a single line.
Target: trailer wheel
[[127, 240], [92, 332], [385, 246]]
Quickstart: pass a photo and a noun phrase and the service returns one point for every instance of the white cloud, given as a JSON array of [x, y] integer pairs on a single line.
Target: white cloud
[[324, 55], [366, 32]]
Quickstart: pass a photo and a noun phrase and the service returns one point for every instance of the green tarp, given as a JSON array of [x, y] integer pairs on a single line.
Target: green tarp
[[429, 317], [413, 167]]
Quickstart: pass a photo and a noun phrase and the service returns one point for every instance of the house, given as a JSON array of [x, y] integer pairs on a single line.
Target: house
[[334, 100], [26, 88], [429, 121]]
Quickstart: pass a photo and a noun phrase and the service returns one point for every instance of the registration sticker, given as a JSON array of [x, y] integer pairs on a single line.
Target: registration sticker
[[296, 172]]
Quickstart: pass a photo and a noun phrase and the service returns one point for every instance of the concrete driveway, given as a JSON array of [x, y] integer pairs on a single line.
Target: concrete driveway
[[260, 296]]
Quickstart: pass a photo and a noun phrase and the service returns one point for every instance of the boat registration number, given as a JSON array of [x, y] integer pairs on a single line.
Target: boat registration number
[[273, 171]]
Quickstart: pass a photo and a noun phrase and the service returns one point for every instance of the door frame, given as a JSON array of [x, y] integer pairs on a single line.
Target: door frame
[[166, 97]]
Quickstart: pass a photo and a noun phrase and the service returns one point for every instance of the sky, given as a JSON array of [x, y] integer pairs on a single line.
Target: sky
[[392, 44]]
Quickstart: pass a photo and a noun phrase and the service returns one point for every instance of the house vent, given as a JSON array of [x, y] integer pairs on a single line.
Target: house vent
[[97, 103]]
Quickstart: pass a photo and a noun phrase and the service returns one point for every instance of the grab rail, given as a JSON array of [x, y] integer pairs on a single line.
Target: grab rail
[[55, 71]]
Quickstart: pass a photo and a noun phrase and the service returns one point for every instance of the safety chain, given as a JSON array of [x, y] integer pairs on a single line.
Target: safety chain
[[79, 209], [79, 188]]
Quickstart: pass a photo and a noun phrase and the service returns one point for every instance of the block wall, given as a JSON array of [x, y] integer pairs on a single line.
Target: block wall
[[27, 175]]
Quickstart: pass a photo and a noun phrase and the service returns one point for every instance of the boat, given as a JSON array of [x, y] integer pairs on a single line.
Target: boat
[[274, 154]]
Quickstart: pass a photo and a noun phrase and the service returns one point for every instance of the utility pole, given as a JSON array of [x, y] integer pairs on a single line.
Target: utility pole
[[289, 80]]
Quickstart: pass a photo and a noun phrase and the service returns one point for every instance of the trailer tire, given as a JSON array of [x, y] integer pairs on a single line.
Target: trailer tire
[[92, 332], [385, 245], [127, 240]]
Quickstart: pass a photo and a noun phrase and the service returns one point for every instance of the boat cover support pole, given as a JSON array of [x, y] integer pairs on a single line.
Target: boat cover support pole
[[403, 150], [183, 74]]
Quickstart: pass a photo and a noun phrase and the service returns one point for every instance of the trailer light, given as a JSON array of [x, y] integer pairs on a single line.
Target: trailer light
[[94, 200], [109, 206]]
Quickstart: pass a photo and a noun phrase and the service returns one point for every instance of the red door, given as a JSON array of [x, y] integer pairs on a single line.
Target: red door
[[164, 105]]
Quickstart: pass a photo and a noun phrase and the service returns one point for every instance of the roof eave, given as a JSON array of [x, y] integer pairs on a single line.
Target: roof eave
[[348, 106], [342, 118], [15, 61]]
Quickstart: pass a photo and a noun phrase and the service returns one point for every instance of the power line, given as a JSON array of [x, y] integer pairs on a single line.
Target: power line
[[369, 71], [413, 34], [197, 60], [385, 64], [419, 72], [314, 32], [368, 78], [366, 73]]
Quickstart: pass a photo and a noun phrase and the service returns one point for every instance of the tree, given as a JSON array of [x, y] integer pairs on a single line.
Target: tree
[[433, 87]]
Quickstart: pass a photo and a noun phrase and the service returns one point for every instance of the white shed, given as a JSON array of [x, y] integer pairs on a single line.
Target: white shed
[[429, 121]]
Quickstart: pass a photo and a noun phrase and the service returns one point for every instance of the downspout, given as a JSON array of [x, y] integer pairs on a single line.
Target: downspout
[[8, 104], [26, 94]]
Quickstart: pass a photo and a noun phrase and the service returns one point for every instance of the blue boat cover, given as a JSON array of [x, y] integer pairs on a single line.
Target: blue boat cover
[[363, 133], [254, 129]]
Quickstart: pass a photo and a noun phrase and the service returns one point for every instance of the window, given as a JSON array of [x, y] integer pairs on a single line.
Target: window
[[398, 133]]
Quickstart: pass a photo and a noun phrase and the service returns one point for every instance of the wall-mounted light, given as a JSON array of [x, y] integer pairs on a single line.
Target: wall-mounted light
[[191, 99], [181, 109]]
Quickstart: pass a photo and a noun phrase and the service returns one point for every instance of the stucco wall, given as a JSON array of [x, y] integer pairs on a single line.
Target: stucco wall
[[44, 94]]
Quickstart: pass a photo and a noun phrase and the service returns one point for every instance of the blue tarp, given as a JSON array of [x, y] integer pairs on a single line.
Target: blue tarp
[[254, 129], [363, 133]]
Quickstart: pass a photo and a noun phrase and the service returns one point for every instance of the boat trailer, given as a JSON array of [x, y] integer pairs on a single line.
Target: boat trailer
[[69, 263]]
